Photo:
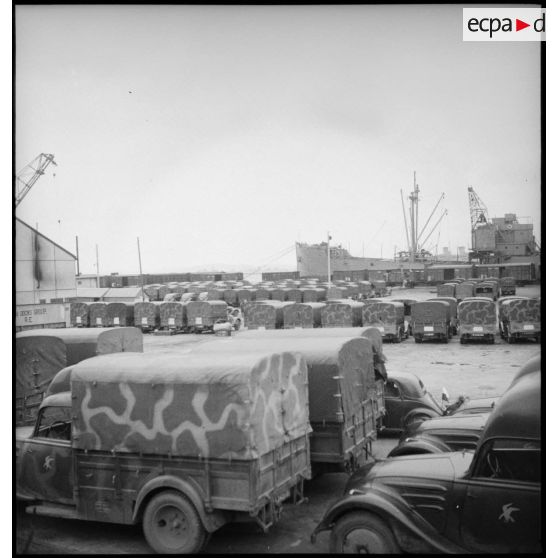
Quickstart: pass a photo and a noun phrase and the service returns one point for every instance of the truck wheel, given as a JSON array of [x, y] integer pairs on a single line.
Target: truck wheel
[[361, 533], [171, 525], [418, 340], [462, 340]]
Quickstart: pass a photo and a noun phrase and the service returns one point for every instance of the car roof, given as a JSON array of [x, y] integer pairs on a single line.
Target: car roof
[[518, 413], [410, 383]]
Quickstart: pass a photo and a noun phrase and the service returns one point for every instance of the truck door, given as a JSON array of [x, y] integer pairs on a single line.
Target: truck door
[[502, 508], [46, 457]]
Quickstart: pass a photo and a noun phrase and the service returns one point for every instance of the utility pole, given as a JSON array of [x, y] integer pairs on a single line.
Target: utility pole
[[140, 270], [77, 255], [97, 257], [328, 262]]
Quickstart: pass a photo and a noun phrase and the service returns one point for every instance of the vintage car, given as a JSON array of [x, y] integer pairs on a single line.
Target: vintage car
[[482, 501], [408, 401], [441, 434]]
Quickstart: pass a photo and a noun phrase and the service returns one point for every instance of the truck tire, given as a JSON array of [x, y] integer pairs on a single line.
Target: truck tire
[[418, 340], [361, 532], [171, 524], [462, 340]]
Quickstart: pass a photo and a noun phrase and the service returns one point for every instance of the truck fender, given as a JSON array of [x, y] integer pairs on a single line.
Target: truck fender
[[189, 488], [390, 507], [413, 446]]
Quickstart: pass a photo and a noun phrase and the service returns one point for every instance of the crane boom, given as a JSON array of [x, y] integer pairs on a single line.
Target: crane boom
[[477, 210], [27, 177]]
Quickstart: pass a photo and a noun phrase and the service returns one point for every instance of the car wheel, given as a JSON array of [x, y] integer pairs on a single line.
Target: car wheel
[[361, 533], [171, 525]]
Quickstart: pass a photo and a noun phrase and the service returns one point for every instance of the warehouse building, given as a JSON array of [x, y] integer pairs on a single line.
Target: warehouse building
[[45, 279]]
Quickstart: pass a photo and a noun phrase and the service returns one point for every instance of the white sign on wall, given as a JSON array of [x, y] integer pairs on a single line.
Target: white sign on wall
[[39, 314]]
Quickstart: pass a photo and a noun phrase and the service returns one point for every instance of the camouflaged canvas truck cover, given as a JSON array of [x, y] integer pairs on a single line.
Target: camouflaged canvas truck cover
[[98, 316], [464, 290], [387, 316], [475, 313], [79, 314], [430, 312], [447, 289], [340, 370], [303, 314], [342, 314], [336, 293], [294, 294], [230, 296], [147, 314], [279, 293], [263, 293], [120, 313], [232, 406], [173, 315], [502, 299], [268, 314], [42, 353], [151, 292], [245, 294], [516, 313], [313, 294], [371, 334], [205, 312]]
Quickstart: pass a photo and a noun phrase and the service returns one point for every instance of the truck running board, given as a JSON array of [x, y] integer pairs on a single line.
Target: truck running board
[[53, 510]]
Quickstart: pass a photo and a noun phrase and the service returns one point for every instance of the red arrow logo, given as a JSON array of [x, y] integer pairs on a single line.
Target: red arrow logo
[[519, 25]]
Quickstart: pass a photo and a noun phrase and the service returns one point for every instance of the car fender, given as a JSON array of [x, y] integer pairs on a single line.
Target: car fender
[[418, 411], [413, 446], [390, 507], [189, 488]]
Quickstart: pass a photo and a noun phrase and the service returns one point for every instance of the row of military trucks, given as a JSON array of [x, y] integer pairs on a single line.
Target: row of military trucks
[[236, 294], [185, 441], [194, 316], [473, 319]]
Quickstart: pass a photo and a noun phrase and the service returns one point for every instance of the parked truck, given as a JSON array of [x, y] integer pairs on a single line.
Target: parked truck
[[42, 353], [373, 336], [521, 319], [181, 446], [341, 386], [203, 314], [477, 320], [431, 320], [388, 317]]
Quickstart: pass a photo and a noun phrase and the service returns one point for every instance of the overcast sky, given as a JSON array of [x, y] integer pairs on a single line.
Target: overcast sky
[[222, 135]]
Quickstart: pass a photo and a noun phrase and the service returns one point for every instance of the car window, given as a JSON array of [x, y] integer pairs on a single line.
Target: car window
[[391, 389], [518, 460], [54, 423]]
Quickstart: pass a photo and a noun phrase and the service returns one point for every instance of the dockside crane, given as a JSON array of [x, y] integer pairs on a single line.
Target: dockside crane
[[477, 210], [27, 177]]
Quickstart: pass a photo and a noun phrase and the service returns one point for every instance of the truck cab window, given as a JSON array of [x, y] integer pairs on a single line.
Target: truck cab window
[[54, 423]]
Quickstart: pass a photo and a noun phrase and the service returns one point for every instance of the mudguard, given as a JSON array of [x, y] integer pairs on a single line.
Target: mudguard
[[211, 521], [418, 411], [414, 446], [389, 506]]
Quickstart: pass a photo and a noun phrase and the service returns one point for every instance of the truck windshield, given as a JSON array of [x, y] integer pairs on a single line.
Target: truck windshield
[[54, 423]]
